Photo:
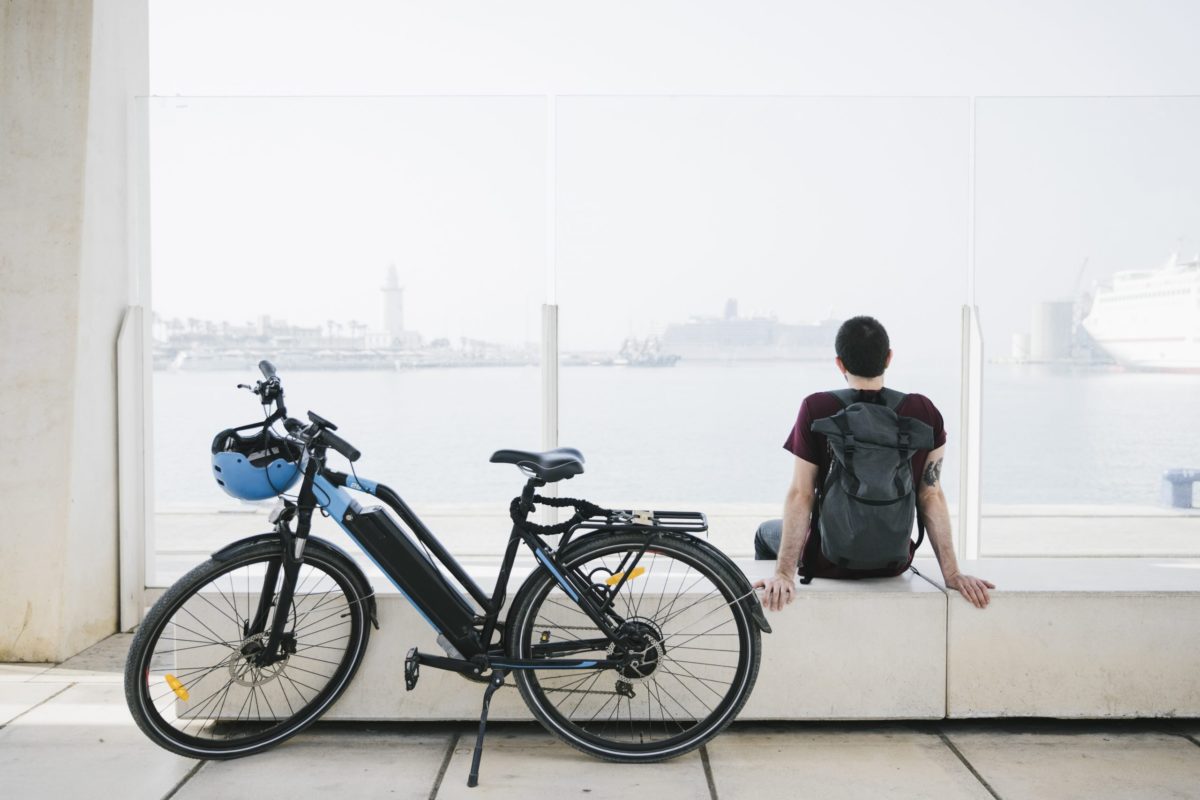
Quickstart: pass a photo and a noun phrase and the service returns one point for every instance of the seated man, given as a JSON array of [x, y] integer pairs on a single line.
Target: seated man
[[863, 353]]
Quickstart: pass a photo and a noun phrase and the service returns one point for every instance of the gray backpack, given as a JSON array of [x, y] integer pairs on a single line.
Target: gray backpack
[[867, 503]]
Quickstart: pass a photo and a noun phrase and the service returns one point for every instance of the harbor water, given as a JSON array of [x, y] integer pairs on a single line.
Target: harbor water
[[694, 433]]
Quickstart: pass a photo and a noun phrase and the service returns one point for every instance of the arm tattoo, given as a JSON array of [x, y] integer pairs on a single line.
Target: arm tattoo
[[933, 471]]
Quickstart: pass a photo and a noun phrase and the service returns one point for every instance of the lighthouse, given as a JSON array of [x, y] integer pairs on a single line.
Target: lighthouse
[[393, 307]]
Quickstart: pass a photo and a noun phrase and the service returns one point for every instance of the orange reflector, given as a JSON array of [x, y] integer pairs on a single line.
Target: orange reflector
[[177, 687], [615, 579]]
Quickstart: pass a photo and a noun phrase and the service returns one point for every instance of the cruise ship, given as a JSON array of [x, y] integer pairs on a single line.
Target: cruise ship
[[1150, 319]]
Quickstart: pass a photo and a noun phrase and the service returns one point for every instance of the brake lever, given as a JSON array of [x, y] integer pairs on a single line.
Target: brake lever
[[259, 388]]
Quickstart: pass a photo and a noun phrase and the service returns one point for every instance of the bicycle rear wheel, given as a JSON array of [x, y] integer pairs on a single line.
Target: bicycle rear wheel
[[697, 649], [190, 679]]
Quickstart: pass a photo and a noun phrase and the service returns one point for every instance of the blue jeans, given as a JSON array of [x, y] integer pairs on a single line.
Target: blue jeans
[[766, 540]]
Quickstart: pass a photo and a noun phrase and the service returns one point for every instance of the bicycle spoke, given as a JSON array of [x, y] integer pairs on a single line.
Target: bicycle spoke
[[234, 699], [681, 605]]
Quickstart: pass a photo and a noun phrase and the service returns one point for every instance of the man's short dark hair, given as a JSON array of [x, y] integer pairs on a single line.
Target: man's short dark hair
[[862, 345]]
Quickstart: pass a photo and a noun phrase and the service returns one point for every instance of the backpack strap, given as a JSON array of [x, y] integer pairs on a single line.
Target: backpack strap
[[806, 564], [892, 398], [846, 396], [848, 448], [888, 397]]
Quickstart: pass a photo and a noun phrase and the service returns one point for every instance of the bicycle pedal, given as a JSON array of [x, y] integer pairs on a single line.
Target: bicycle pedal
[[412, 670]]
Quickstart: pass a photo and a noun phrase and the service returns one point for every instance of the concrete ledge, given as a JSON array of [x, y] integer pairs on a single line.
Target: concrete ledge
[[1077, 638], [872, 649], [867, 649], [1065, 638]]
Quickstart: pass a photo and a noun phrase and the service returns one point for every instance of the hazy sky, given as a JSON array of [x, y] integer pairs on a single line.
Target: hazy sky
[[854, 198]]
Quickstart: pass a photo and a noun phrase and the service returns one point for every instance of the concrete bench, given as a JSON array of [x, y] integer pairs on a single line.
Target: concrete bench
[[871, 649], [1085, 638], [1067, 638]]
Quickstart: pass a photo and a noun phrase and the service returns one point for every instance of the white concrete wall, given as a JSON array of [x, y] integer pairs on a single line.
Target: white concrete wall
[[1066, 638], [69, 69], [871, 649], [1085, 638]]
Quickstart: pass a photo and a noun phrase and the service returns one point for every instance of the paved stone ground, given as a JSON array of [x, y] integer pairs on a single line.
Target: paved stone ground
[[65, 733]]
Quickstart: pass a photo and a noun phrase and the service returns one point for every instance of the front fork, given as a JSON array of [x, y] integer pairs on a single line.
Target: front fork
[[292, 552], [292, 557]]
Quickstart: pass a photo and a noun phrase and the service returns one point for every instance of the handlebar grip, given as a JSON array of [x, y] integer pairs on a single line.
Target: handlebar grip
[[267, 369], [341, 445]]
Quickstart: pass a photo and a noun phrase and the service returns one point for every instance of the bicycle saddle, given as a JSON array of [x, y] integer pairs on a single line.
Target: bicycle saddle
[[550, 466]]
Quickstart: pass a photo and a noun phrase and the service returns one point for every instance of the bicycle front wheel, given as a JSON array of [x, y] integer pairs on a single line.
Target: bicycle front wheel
[[697, 650], [191, 679]]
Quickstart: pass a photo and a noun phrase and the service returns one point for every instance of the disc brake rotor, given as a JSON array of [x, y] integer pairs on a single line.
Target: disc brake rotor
[[246, 673]]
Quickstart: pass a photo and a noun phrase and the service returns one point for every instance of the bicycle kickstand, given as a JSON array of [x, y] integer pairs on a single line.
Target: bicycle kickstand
[[495, 683]]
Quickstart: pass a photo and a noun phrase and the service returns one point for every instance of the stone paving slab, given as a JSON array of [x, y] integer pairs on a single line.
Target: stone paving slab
[[524, 761], [103, 662], [830, 762], [19, 673], [81, 743], [1079, 763], [330, 761], [17, 698]]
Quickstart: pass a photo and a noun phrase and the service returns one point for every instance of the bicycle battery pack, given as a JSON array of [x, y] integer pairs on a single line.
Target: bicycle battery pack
[[413, 574]]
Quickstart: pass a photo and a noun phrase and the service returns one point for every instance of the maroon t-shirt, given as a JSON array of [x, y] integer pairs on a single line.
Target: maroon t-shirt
[[814, 448]]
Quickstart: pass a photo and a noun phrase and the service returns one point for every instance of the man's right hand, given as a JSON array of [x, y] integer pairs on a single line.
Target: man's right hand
[[778, 591]]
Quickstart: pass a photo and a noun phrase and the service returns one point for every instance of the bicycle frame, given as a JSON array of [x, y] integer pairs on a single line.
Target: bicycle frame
[[423, 584]]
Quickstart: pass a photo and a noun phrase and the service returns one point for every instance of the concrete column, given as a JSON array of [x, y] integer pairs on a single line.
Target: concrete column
[[68, 72]]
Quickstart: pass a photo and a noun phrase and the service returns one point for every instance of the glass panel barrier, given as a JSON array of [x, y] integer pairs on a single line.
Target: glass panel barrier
[[708, 249], [387, 254], [1088, 284]]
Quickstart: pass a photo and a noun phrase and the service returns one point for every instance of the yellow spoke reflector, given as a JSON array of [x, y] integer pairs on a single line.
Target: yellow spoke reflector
[[615, 579], [178, 688]]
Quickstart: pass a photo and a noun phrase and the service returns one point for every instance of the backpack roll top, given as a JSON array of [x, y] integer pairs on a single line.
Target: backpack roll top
[[867, 503], [873, 445]]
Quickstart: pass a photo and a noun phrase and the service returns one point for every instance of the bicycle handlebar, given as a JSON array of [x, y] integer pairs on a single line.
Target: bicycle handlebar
[[317, 432], [339, 444], [321, 429]]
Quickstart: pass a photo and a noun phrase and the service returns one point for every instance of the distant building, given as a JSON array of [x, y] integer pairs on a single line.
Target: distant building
[[1051, 334], [196, 344], [734, 338], [393, 303], [393, 334]]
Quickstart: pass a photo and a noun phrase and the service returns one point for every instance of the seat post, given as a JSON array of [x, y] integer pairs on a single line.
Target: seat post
[[527, 494]]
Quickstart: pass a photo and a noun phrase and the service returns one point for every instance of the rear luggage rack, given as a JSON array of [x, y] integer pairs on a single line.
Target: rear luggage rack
[[638, 520]]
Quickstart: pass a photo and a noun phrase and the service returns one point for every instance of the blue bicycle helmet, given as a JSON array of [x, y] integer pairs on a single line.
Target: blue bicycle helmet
[[255, 466]]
